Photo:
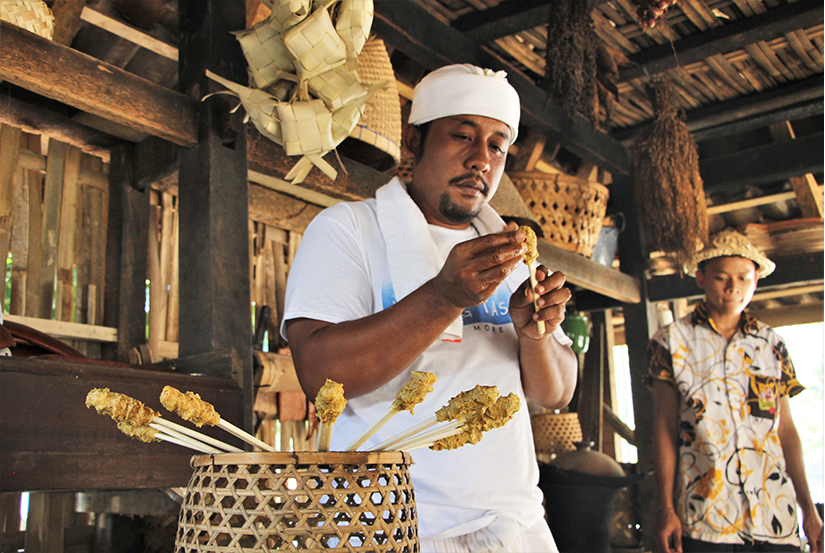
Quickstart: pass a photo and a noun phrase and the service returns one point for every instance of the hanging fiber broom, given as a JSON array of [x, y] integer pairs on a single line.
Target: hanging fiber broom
[[668, 188]]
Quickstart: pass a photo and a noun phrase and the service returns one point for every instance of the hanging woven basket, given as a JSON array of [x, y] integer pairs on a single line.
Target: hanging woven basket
[[568, 209], [376, 139], [32, 15]]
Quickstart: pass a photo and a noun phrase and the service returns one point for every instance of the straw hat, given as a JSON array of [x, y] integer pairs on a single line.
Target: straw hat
[[729, 243]]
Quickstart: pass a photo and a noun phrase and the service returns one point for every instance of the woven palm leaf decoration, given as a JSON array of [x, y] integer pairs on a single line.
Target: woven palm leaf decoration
[[32, 15], [304, 91], [669, 194]]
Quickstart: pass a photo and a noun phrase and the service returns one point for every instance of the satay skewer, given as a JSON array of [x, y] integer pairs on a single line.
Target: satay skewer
[[192, 408], [443, 431], [459, 408], [148, 434], [329, 403], [529, 257], [135, 419], [411, 394]]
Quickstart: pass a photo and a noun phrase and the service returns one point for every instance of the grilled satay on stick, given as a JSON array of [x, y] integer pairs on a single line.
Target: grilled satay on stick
[[140, 422], [529, 257], [411, 394], [458, 409], [191, 407], [329, 403]]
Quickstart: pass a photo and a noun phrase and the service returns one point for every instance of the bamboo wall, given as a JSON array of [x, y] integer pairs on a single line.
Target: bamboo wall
[[53, 217]]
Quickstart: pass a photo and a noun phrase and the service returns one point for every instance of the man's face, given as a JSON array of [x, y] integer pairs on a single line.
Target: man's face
[[729, 284], [460, 169]]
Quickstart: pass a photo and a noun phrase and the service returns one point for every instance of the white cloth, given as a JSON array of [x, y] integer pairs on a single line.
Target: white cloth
[[465, 89], [503, 535], [411, 251], [341, 273]]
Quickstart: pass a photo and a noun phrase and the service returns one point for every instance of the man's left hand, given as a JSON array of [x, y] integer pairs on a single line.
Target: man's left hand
[[552, 299]]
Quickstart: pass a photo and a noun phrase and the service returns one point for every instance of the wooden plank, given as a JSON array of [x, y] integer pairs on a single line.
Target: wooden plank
[[34, 63], [34, 239], [9, 152], [157, 320], [97, 200], [68, 330], [49, 440], [52, 200], [83, 254], [581, 271], [806, 189], [732, 36], [66, 236], [529, 153], [87, 176], [764, 164], [66, 20], [19, 237], [130, 33]]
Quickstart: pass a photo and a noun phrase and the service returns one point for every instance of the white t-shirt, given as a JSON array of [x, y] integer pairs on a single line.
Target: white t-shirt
[[340, 273]]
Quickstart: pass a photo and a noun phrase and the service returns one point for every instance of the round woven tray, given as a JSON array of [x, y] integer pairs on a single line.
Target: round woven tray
[[555, 433], [569, 209], [298, 501]]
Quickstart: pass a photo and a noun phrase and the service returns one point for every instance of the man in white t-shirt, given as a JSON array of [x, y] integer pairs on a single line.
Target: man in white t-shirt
[[427, 277]]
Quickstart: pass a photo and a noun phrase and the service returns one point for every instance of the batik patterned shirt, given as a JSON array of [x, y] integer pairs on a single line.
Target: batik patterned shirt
[[732, 486]]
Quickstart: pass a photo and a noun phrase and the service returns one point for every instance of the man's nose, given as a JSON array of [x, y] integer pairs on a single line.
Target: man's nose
[[479, 158]]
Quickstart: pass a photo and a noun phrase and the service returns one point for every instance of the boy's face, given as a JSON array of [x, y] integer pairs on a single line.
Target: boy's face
[[729, 284]]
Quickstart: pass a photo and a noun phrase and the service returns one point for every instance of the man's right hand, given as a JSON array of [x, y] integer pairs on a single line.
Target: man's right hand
[[475, 268], [669, 531]]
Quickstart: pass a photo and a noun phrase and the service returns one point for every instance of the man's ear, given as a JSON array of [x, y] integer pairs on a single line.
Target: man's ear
[[411, 139], [700, 279]]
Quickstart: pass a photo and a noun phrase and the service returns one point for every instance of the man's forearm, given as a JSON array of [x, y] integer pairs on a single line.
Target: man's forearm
[[366, 353], [549, 371]]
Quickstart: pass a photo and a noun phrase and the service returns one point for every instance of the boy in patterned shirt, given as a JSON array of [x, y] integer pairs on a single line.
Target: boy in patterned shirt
[[728, 458]]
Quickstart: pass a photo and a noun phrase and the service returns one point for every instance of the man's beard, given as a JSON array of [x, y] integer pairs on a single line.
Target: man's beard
[[455, 213]]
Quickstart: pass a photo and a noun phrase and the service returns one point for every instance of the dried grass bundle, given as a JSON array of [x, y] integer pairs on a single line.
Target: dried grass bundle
[[668, 188], [570, 59]]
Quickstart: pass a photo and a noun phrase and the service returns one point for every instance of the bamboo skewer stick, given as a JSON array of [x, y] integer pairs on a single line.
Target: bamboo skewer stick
[[411, 394], [329, 403], [533, 283], [170, 427], [442, 431], [398, 438], [373, 428], [248, 438], [197, 444], [185, 443], [418, 444]]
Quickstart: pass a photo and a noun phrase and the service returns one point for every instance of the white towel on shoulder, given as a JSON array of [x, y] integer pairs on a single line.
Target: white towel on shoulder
[[411, 251]]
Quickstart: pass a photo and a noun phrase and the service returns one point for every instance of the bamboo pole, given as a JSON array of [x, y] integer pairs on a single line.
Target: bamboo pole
[[66, 236]]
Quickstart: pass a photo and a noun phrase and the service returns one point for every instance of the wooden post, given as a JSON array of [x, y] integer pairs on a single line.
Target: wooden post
[[35, 232], [126, 247], [215, 314], [640, 322]]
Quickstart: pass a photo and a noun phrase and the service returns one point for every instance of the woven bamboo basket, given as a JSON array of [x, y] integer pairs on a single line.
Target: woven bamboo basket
[[555, 433], [376, 139], [569, 209], [298, 501], [32, 15]]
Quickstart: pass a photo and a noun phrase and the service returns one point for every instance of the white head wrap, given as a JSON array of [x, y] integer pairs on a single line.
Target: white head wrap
[[465, 89]]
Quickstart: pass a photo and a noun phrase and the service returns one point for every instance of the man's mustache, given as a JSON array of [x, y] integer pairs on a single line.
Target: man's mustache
[[473, 176]]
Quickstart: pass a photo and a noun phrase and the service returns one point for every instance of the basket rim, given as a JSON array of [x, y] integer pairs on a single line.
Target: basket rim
[[556, 176], [303, 458]]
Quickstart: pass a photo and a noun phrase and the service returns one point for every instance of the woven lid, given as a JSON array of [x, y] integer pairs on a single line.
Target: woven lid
[[376, 139], [32, 15]]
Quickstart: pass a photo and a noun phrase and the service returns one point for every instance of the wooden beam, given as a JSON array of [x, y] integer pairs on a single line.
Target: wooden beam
[[66, 20], [795, 270], [764, 164], [581, 271], [130, 33], [805, 187], [55, 71], [65, 329], [727, 38], [799, 99], [408, 27], [49, 440]]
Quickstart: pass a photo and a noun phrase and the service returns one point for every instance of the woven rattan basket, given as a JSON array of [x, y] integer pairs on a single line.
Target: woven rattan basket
[[569, 209], [555, 433], [332, 501], [376, 140], [32, 15]]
